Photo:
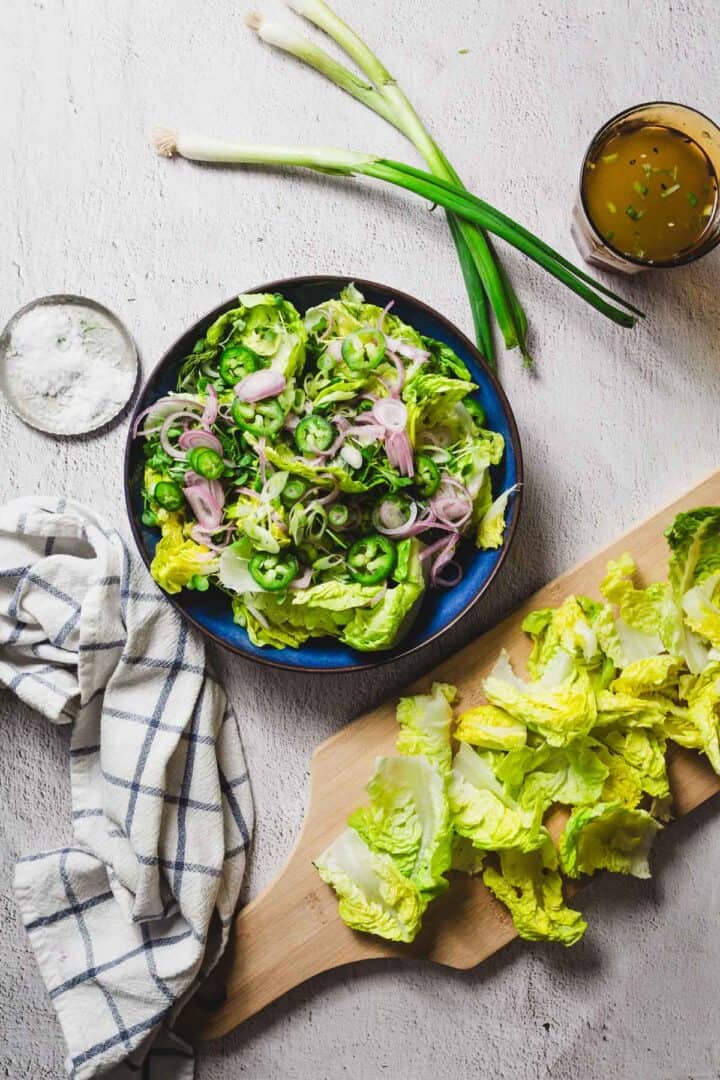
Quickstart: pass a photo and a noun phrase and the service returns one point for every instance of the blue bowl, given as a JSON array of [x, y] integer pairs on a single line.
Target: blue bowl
[[210, 611]]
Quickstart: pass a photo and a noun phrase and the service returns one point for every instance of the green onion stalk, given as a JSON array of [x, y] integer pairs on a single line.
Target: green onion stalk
[[484, 276], [460, 202]]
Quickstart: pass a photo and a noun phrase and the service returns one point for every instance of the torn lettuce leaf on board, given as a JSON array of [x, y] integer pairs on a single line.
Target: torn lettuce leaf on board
[[610, 684], [607, 836], [529, 885], [409, 819], [374, 895]]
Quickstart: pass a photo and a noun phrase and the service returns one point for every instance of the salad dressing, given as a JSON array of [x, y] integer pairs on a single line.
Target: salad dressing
[[650, 191]]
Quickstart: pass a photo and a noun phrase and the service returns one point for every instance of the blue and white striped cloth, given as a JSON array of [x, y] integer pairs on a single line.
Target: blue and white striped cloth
[[128, 917]]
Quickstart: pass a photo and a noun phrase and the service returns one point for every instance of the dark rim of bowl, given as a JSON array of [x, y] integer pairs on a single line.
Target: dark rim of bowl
[[338, 281], [659, 264]]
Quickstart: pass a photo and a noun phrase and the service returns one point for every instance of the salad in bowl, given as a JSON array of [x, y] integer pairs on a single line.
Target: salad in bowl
[[324, 469]]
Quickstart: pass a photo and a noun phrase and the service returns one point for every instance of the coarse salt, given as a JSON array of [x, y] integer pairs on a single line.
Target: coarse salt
[[68, 367]]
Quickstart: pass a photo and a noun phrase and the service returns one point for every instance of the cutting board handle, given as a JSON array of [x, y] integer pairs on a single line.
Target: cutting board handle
[[291, 930]]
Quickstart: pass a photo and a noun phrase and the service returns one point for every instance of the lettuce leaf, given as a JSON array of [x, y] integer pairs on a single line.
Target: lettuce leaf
[[607, 836], [644, 751], [559, 713], [409, 819], [566, 639], [491, 529], [653, 675], [694, 540], [177, 559], [425, 721], [465, 857], [484, 813], [387, 621], [282, 457], [703, 699], [491, 728], [544, 775], [267, 324], [374, 896], [531, 888]]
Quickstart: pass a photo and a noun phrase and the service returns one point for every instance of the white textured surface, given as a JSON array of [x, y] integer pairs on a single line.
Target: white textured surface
[[613, 424]]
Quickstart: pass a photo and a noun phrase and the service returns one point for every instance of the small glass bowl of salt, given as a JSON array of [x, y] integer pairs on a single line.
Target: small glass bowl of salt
[[67, 365]]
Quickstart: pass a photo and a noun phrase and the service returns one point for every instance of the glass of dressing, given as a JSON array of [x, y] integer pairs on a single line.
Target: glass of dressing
[[648, 192]]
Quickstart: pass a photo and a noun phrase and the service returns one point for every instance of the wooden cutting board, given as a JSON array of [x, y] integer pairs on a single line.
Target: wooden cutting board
[[292, 930]]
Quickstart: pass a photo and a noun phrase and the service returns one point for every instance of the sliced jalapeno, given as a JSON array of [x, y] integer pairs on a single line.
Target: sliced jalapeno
[[427, 475], [206, 462], [236, 362], [168, 495], [294, 489], [260, 417], [273, 571], [372, 559], [364, 349], [338, 515], [314, 433]]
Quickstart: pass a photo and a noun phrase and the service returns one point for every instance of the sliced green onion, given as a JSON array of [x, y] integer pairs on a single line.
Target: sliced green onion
[[669, 191]]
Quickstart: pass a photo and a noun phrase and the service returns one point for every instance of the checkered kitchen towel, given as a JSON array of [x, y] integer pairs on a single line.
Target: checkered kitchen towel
[[137, 906]]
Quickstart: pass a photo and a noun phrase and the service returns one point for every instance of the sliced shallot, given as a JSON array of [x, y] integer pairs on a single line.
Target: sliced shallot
[[260, 384]]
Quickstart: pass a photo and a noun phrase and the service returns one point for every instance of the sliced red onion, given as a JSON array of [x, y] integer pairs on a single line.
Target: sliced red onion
[[304, 580], [206, 500], [444, 557], [195, 437], [399, 453], [210, 411], [334, 348], [331, 496], [168, 422], [248, 492], [397, 531], [457, 574], [410, 352], [200, 536], [391, 413], [448, 480], [383, 313], [291, 421], [260, 384], [364, 435], [163, 406], [451, 509]]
